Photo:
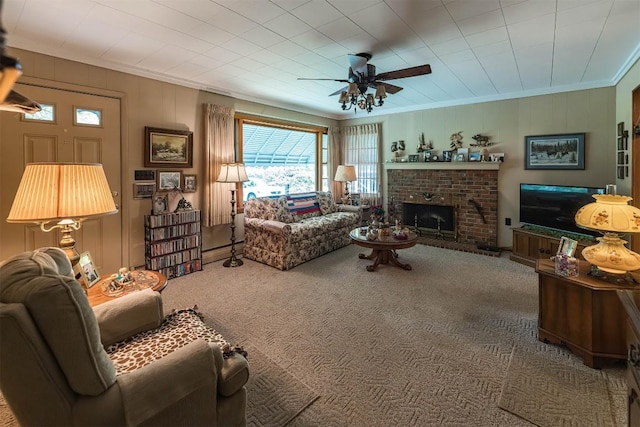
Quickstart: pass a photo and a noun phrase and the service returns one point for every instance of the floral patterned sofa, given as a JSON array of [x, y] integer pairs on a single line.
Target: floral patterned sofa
[[289, 230]]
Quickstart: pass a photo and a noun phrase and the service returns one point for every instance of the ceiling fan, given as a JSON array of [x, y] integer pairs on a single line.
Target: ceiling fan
[[362, 76]]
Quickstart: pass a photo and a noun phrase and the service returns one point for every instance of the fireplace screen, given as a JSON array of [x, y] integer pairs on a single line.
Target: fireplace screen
[[433, 219]]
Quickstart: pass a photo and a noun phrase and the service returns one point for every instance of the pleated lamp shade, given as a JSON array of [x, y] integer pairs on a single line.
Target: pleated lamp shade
[[58, 191], [232, 172]]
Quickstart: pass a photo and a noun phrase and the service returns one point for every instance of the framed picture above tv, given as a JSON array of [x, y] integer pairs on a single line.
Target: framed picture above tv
[[562, 151]]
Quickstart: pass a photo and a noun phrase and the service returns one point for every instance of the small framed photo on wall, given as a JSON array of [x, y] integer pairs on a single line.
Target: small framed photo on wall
[[143, 190], [168, 180], [189, 184]]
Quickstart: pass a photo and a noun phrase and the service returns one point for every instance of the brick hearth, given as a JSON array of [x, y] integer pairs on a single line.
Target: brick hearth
[[454, 187]]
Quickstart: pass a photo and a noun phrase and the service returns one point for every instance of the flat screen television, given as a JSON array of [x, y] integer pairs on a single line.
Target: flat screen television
[[555, 206]]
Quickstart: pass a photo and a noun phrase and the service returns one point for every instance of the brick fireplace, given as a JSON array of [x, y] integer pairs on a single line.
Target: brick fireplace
[[472, 193]]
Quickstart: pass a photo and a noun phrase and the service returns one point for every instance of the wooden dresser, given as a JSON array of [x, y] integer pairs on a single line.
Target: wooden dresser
[[630, 300], [584, 313]]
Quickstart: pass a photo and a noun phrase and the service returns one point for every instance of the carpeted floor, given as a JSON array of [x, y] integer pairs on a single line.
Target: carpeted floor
[[431, 346], [450, 343]]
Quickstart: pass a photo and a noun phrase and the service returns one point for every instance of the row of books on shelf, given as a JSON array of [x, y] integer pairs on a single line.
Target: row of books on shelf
[[169, 246], [170, 232], [173, 259], [181, 269], [164, 220]]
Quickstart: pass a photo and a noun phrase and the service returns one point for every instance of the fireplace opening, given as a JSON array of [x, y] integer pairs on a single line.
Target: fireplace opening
[[437, 221]]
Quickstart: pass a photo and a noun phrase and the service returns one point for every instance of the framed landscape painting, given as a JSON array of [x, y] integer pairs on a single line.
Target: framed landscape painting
[[168, 148], [563, 151]]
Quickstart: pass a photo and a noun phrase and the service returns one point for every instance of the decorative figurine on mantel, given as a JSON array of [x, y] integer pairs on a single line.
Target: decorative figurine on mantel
[[481, 141], [456, 140], [423, 145]]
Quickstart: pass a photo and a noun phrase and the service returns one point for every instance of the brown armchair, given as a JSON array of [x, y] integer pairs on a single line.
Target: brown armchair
[[54, 369]]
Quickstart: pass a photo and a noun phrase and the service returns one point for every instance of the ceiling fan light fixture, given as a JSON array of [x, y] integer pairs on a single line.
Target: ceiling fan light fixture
[[344, 98], [380, 92], [353, 90]]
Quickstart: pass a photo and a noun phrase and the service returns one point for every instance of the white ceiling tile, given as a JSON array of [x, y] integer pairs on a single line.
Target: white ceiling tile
[[11, 14], [312, 39], [441, 34], [333, 50], [266, 56], [450, 47], [578, 4], [473, 77], [493, 49], [534, 64], [503, 72], [532, 32], [263, 37], [188, 70], [488, 37], [382, 23], [289, 4], [527, 10], [482, 23], [340, 29], [255, 10], [417, 57], [348, 7], [309, 58], [93, 38], [222, 55], [457, 57], [287, 49], [464, 9], [241, 46], [132, 49], [248, 64], [317, 13], [287, 26], [210, 34], [591, 12]]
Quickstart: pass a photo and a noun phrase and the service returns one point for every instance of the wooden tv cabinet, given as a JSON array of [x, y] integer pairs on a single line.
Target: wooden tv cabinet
[[531, 245], [583, 313]]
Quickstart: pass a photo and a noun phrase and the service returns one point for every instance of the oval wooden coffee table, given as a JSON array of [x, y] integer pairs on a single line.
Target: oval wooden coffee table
[[383, 249], [98, 293]]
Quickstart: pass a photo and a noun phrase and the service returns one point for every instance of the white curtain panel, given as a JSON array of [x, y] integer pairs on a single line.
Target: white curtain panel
[[361, 148], [219, 148]]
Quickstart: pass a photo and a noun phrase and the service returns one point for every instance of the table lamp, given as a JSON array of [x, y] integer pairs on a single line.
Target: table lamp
[[65, 194], [233, 173], [346, 174], [613, 215]]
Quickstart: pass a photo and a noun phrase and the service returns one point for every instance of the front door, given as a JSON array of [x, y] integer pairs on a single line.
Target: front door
[[62, 139]]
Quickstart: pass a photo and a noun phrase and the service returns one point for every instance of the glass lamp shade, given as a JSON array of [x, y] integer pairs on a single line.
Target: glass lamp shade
[[380, 92], [232, 172], [611, 255], [62, 191], [610, 214]]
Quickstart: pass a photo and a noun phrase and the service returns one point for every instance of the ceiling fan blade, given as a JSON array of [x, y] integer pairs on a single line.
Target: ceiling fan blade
[[331, 80], [389, 88], [420, 70], [344, 89]]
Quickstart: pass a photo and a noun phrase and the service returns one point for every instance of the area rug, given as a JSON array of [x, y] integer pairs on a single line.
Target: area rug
[[547, 391], [274, 397]]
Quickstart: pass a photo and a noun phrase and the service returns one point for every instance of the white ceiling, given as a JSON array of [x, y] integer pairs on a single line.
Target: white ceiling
[[479, 50]]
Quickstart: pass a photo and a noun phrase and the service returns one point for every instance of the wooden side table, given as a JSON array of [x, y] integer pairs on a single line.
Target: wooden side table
[[584, 313], [143, 279]]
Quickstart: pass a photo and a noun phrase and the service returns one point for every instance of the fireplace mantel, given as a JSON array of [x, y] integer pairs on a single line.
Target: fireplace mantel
[[444, 165]]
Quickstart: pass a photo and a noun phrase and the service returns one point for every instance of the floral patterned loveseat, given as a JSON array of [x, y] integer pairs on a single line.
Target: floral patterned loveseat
[[289, 230]]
